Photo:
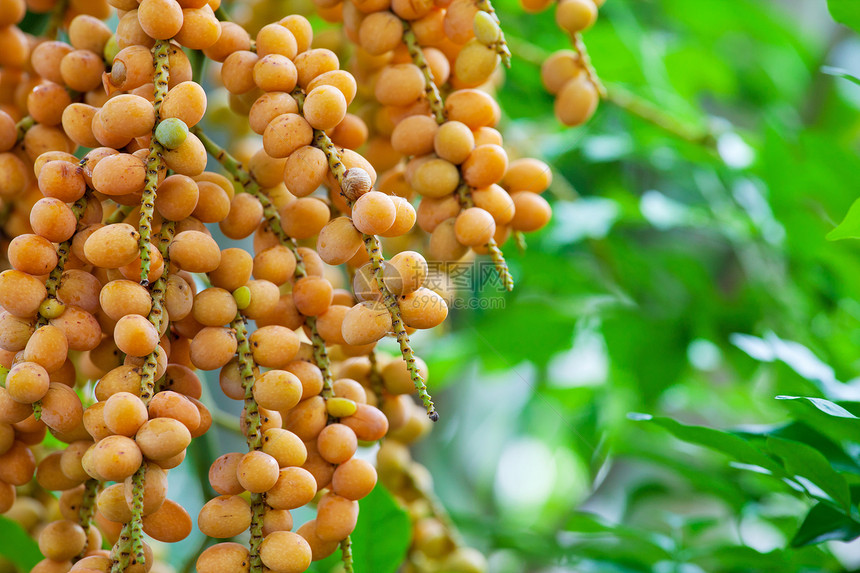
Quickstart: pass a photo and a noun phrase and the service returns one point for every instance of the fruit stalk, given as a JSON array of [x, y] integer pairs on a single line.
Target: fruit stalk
[[88, 506], [372, 245], [254, 435], [156, 314], [346, 554], [23, 126], [153, 160], [431, 90]]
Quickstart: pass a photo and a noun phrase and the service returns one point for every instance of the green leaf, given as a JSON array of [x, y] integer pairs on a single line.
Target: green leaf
[[372, 551], [825, 523], [811, 468], [827, 417], [846, 12], [826, 406], [17, 546], [849, 228], [840, 73], [725, 442], [378, 512]]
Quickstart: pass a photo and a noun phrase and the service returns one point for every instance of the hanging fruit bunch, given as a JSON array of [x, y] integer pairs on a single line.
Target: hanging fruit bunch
[[116, 296]]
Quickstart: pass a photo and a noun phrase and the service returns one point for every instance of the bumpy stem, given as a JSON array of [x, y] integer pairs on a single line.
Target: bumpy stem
[[585, 60], [258, 510], [153, 161], [254, 435], [501, 265], [88, 507], [371, 243], [321, 357], [121, 554], [246, 368], [156, 314], [520, 240], [437, 106], [323, 142], [137, 481], [161, 77], [502, 45], [430, 87], [375, 376], [346, 554]]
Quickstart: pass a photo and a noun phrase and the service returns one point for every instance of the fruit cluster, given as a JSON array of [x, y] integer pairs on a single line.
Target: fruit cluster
[[567, 74], [116, 294]]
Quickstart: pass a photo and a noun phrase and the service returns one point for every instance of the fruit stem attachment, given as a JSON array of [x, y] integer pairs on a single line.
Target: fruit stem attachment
[[464, 196], [502, 44], [246, 368], [430, 87], [161, 64], [51, 307], [346, 554], [22, 127]]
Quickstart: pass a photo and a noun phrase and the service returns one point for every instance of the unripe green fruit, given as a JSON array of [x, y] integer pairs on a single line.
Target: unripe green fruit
[[51, 308], [171, 133], [242, 295], [486, 28], [340, 407], [111, 49]]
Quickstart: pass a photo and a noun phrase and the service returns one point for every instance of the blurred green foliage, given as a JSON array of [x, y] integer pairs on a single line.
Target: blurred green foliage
[[671, 386]]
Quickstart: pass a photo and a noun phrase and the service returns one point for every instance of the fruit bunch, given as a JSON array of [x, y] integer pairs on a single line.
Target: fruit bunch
[[567, 74], [117, 295]]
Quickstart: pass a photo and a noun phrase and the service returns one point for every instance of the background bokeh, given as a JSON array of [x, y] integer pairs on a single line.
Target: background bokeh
[[685, 275]]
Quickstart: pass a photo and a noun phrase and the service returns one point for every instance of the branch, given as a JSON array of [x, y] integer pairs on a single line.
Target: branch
[[437, 106], [153, 160]]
